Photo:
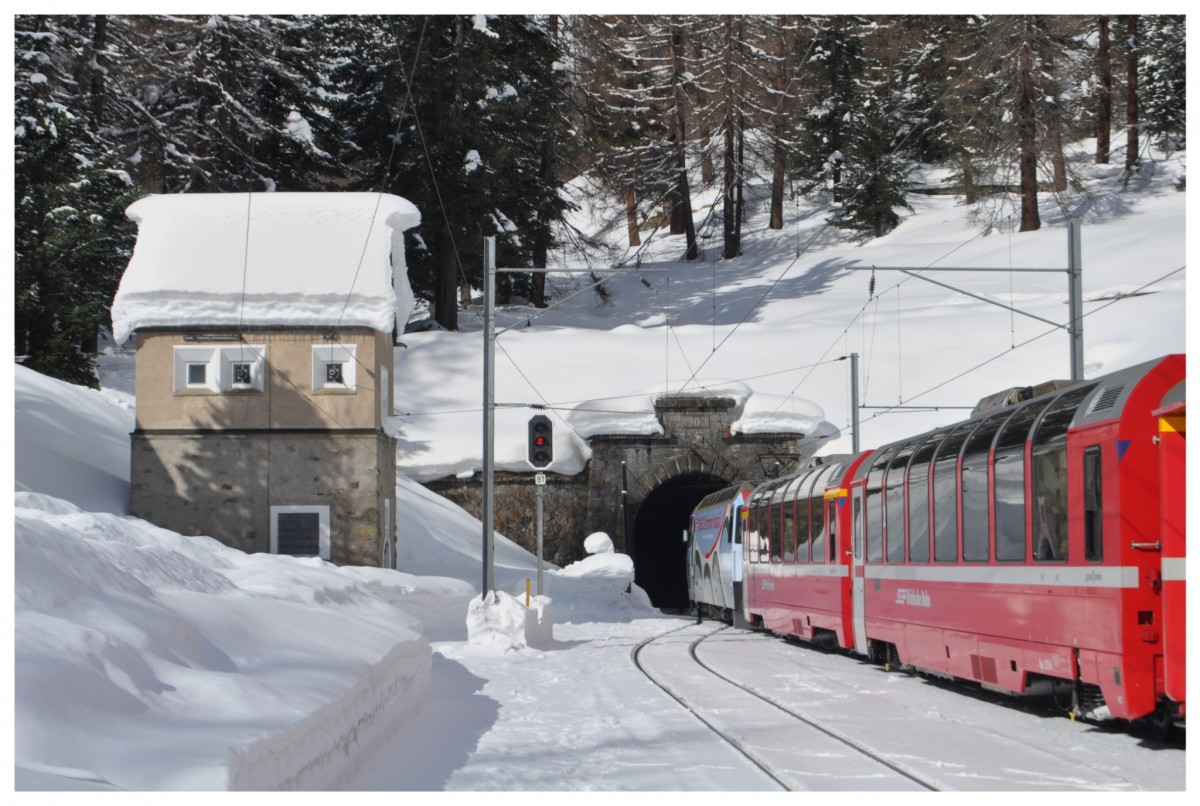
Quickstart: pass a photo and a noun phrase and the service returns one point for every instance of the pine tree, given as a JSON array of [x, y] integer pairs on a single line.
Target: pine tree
[[834, 71], [874, 176], [71, 236], [225, 103], [1163, 67], [452, 112], [617, 109]]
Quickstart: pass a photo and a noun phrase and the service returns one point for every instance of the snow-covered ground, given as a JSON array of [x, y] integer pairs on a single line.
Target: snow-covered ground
[[147, 660]]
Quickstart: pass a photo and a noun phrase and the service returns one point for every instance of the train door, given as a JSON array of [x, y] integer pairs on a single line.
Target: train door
[[1172, 433], [740, 514], [725, 561], [858, 571]]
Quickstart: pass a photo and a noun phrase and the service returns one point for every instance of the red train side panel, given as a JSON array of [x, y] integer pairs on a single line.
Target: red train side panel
[[1172, 434]]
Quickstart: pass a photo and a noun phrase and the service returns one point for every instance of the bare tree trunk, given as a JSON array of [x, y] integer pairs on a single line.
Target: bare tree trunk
[[445, 293], [631, 217], [968, 179], [541, 235], [729, 215], [780, 119], [446, 119], [777, 180], [1104, 97], [1131, 99], [99, 45], [682, 218], [1054, 126], [1027, 133], [740, 204]]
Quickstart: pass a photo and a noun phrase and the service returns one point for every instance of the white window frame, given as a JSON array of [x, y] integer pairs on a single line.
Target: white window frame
[[219, 362], [253, 354], [323, 533], [344, 354], [184, 357]]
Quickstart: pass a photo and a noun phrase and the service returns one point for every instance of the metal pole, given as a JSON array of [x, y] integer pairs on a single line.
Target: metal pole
[[540, 488], [1075, 295], [489, 412], [854, 401]]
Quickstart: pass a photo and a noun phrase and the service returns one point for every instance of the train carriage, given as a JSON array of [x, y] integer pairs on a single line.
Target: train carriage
[[797, 567], [715, 553], [1045, 523], [1037, 546]]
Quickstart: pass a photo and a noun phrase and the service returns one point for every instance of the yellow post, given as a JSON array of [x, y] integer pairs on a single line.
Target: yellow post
[[527, 591]]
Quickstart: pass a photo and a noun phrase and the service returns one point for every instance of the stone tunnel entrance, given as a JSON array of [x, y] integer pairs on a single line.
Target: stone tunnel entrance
[[658, 549], [640, 489]]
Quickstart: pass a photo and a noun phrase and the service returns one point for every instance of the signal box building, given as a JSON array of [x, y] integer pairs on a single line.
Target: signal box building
[[265, 328]]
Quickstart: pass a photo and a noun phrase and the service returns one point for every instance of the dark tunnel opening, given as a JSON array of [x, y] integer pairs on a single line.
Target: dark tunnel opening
[[659, 551]]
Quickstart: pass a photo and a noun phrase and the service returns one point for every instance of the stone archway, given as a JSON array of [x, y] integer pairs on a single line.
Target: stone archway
[[657, 543]]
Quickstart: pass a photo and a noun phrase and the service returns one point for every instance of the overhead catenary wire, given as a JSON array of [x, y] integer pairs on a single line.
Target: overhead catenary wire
[[1032, 339]]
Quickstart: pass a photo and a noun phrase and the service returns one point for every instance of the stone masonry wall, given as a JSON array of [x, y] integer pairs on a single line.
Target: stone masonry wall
[[224, 485]]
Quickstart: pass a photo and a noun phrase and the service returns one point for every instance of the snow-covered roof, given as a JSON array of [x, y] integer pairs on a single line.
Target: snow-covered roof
[[273, 259]]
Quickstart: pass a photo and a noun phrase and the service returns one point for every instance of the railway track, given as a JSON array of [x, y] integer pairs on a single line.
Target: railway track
[[794, 751]]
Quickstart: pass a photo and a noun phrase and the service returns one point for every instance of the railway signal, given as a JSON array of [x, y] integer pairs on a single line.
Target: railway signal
[[541, 441]]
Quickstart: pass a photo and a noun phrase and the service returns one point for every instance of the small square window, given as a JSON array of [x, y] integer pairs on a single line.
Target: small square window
[[197, 374], [242, 376], [334, 369], [302, 531]]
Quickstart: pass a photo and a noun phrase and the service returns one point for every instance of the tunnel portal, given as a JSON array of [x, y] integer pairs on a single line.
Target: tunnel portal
[[658, 547]]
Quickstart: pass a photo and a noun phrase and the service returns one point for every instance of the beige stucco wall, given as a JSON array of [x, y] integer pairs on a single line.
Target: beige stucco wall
[[287, 399]]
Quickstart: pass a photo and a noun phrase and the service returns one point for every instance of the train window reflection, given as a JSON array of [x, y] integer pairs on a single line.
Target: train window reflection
[[894, 503], [874, 506], [975, 488], [945, 495], [918, 499], [1008, 471]]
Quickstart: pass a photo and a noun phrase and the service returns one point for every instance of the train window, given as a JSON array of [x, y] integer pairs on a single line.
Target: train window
[[775, 522], [874, 506], [804, 529], [831, 524], [974, 480], [1093, 509], [1049, 482], [894, 503], [819, 521], [918, 499], [764, 528], [1008, 474], [803, 534], [775, 515], [788, 533], [856, 523], [754, 532], [816, 506], [945, 495]]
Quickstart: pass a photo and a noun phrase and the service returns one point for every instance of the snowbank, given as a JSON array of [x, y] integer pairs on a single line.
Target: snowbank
[[600, 586], [149, 660], [71, 443], [500, 623]]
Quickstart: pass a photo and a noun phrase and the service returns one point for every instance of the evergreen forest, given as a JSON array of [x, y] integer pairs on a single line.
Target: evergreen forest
[[482, 121]]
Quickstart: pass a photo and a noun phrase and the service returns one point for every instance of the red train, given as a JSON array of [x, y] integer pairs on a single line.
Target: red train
[[1039, 545]]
